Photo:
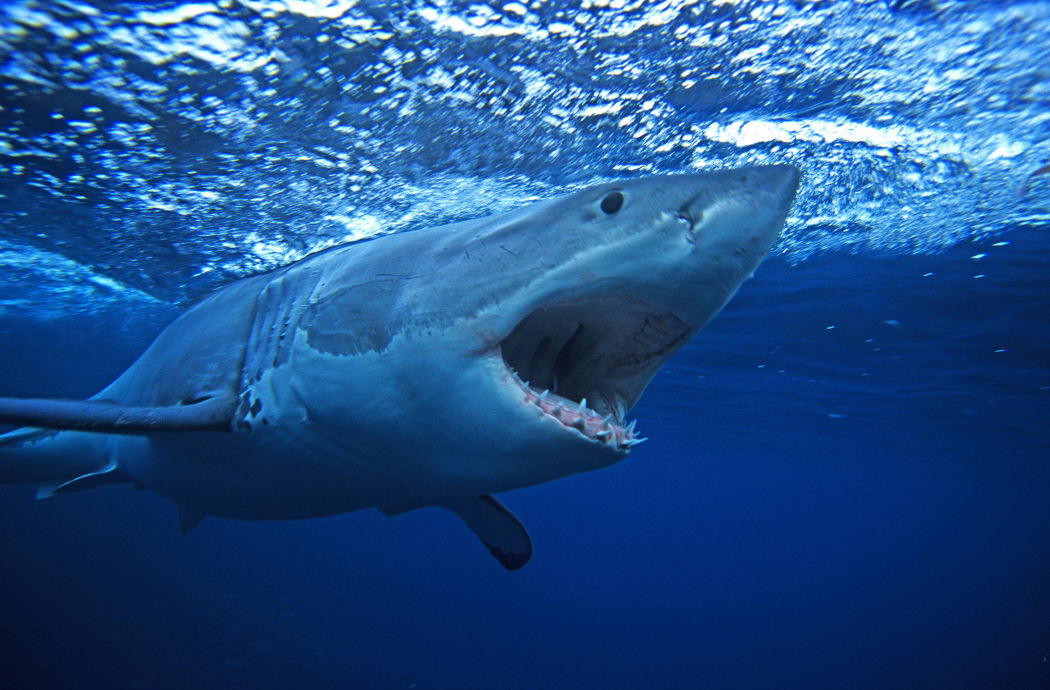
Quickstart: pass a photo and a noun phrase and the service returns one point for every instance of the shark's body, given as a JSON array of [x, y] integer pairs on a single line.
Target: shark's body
[[392, 373]]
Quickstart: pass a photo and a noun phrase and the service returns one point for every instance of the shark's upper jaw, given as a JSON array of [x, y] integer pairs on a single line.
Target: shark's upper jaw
[[585, 361]]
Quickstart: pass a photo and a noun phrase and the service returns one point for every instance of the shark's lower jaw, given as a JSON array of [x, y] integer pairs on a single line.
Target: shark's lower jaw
[[607, 430], [585, 361]]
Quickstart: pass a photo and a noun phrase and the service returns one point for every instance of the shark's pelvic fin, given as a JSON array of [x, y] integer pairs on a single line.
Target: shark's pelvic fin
[[105, 475], [214, 413], [189, 518], [497, 528]]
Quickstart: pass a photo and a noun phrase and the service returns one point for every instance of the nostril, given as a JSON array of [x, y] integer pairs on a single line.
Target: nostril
[[690, 224]]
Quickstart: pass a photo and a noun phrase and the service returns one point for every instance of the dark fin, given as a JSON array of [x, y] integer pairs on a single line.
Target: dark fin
[[189, 518], [498, 529], [106, 475], [210, 414]]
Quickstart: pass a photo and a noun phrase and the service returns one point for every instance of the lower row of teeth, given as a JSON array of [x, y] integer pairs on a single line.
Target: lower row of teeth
[[582, 417]]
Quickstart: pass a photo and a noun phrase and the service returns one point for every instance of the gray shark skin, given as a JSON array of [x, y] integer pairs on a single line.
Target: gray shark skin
[[425, 368]]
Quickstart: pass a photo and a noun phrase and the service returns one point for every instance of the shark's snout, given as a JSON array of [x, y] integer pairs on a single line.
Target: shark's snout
[[744, 206], [740, 213], [781, 176], [780, 184], [776, 185], [781, 181]]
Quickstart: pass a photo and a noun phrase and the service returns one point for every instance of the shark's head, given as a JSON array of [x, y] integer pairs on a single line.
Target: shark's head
[[620, 275], [521, 341]]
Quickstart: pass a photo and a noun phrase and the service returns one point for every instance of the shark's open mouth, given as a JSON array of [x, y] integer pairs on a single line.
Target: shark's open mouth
[[586, 361]]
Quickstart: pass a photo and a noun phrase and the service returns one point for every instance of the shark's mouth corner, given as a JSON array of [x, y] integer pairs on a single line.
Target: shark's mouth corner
[[585, 361]]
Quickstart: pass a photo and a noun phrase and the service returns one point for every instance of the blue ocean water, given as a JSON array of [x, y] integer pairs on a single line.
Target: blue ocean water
[[848, 477]]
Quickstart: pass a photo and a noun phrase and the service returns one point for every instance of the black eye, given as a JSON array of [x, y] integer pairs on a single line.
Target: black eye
[[612, 203]]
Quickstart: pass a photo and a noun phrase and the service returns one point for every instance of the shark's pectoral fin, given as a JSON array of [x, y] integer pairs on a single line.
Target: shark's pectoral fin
[[189, 518], [211, 413], [105, 475], [501, 532]]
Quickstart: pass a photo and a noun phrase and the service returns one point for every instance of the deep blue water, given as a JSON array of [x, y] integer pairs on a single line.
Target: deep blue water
[[847, 482], [753, 542]]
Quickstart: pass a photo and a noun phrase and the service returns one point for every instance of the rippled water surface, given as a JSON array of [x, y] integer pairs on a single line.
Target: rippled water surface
[[163, 148], [848, 482]]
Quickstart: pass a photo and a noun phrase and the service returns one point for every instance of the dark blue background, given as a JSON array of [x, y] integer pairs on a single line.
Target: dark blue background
[[864, 506]]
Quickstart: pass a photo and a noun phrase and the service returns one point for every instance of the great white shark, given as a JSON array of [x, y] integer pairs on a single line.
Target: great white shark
[[425, 368]]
